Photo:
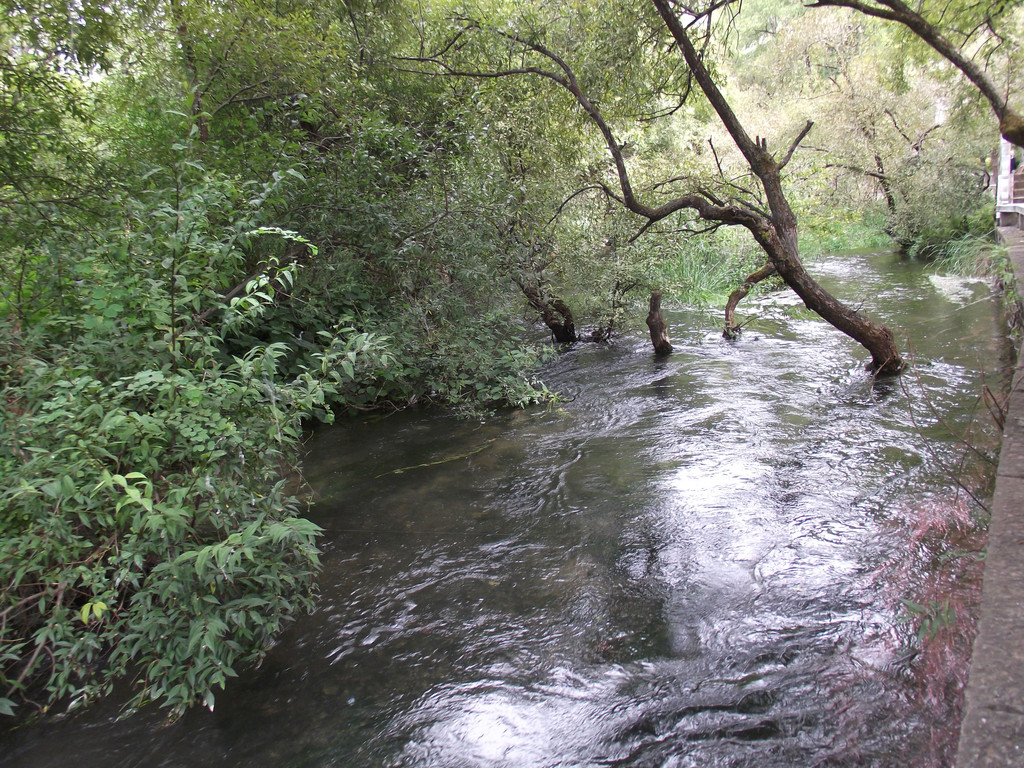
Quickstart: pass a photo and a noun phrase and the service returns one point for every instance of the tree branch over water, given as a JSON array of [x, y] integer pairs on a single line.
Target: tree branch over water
[[565, 77], [774, 229], [1011, 124]]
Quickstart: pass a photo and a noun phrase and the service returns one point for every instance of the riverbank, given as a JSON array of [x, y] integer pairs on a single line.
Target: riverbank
[[992, 731]]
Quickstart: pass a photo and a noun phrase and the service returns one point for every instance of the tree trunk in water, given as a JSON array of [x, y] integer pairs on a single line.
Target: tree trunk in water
[[777, 234], [556, 314], [732, 331], [891, 204], [659, 330], [875, 337]]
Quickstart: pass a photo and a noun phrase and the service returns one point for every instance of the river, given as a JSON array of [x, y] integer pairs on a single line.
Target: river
[[721, 558]]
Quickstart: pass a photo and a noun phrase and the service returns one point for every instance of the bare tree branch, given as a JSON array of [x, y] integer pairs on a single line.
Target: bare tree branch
[[712, 226], [233, 98], [792, 147], [577, 193], [856, 169]]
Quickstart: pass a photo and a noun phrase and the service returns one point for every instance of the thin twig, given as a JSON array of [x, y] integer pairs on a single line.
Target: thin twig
[[439, 461]]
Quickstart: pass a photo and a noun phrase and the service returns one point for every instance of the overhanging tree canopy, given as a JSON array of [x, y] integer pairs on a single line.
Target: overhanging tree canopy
[[975, 24], [765, 213]]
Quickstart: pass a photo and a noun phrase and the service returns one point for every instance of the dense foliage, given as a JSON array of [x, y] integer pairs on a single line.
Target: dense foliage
[[149, 528], [219, 222]]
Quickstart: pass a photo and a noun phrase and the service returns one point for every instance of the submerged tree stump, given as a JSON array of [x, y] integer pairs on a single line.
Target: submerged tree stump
[[659, 330]]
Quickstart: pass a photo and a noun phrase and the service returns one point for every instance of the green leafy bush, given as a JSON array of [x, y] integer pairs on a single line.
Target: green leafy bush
[[155, 395], [148, 530]]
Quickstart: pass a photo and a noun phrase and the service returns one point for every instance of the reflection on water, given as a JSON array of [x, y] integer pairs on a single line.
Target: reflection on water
[[697, 561]]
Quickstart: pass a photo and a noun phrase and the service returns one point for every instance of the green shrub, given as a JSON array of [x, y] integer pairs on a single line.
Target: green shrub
[[154, 399], [148, 531]]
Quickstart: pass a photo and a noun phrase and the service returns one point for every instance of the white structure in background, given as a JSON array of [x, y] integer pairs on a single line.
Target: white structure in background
[[1009, 189]]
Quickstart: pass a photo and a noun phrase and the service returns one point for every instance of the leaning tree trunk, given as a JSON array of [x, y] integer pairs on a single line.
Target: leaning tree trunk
[[875, 337], [659, 329], [778, 237], [732, 331], [777, 234]]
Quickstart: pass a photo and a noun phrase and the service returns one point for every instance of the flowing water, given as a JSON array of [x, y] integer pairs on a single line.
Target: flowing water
[[716, 559]]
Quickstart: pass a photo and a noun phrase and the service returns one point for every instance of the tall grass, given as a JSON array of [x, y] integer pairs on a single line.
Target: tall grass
[[969, 255], [820, 235], [704, 271]]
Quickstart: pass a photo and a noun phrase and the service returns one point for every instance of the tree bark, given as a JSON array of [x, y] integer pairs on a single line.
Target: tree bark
[[1011, 125], [732, 331], [891, 205], [875, 337], [659, 330]]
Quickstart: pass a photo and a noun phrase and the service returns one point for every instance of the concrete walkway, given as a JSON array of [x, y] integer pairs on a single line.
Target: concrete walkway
[[992, 731]]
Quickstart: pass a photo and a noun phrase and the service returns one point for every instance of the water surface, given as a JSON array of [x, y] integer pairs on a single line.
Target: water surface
[[694, 561]]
